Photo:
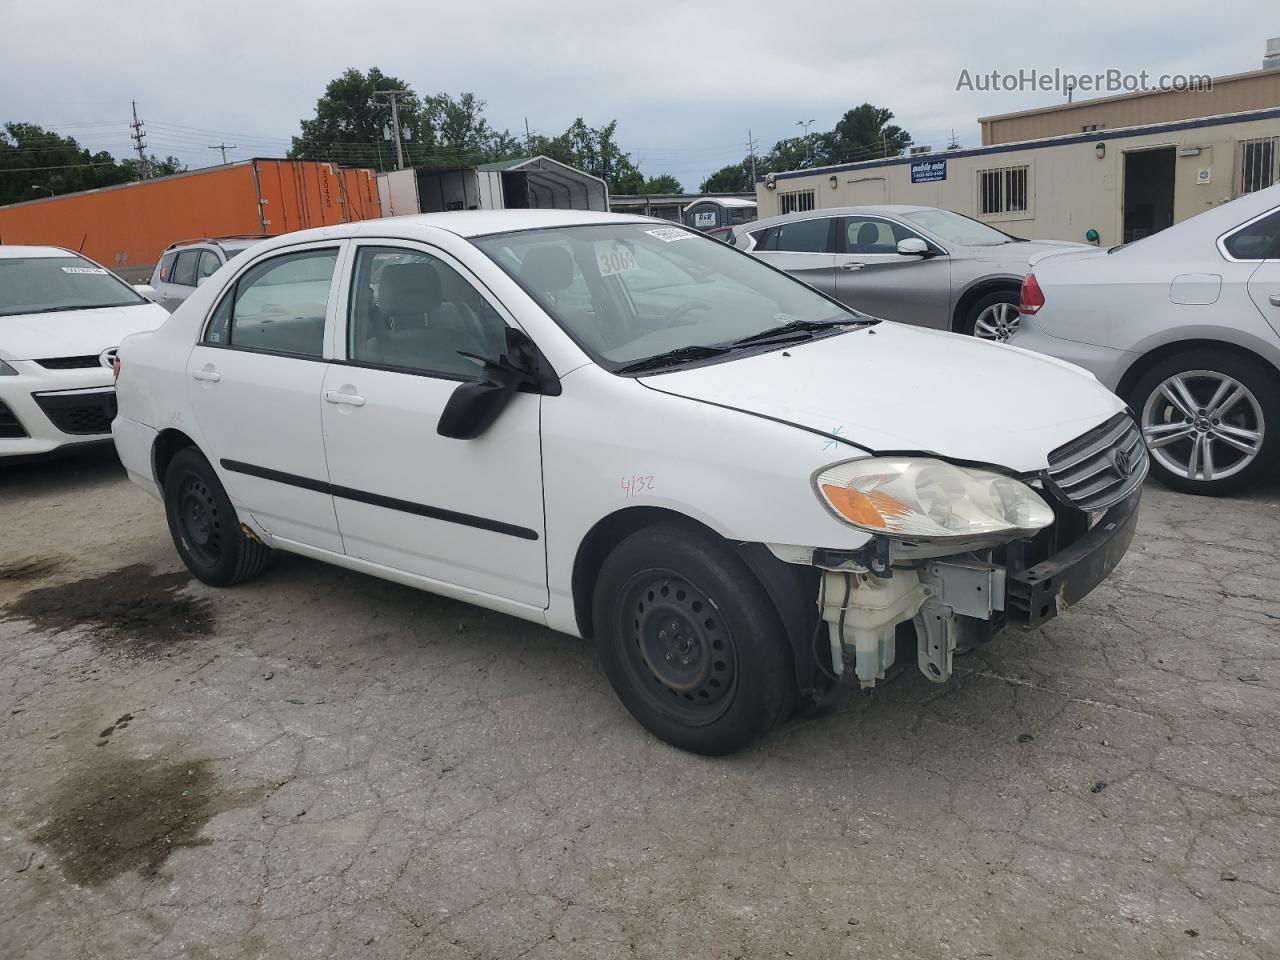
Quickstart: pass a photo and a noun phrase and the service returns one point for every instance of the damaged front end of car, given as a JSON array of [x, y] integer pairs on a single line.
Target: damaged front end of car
[[961, 552]]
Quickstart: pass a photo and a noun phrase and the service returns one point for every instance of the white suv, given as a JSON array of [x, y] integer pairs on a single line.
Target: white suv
[[188, 263]]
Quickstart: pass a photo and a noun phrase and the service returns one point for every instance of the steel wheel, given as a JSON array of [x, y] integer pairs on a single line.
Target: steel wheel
[[199, 520], [682, 651], [996, 322], [1203, 425]]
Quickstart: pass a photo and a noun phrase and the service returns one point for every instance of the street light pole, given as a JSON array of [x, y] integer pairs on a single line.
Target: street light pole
[[808, 144]]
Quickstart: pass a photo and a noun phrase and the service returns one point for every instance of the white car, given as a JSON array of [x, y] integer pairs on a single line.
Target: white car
[[622, 429], [187, 264], [1185, 326], [61, 318]]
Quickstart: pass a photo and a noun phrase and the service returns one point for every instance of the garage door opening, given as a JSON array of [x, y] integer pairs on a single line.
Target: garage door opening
[[1148, 192]]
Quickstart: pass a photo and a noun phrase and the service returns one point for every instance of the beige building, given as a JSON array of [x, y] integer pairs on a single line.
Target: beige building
[[1241, 93], [1147, 165]]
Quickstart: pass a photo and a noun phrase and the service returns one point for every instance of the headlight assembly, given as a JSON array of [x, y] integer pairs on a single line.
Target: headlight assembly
[[922, 499]]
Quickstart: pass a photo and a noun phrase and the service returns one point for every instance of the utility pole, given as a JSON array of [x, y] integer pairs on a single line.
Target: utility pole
[[393, 97], [808, 144], [528, 140], [224, 147], [751, 152], [138, 138]]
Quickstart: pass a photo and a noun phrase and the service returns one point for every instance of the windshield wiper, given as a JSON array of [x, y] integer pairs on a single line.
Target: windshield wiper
[[671, 357], [798, 329]]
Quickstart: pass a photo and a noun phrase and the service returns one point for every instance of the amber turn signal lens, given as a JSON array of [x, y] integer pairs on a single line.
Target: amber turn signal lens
[[867, 509]]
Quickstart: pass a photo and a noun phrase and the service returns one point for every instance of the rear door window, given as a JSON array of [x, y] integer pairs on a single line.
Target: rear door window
[[184, 268], [1260, 240], [803, 236], [278, 306]]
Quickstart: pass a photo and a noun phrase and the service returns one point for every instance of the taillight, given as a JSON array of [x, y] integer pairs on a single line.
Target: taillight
[[115, 368], [1032, 298]]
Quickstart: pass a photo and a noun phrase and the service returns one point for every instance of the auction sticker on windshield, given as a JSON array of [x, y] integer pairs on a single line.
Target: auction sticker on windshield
[[669, 234], [97, 270], [614, 258]]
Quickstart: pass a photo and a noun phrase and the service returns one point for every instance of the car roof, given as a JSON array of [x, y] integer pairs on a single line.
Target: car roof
[[876, 210], [466, 223], [238, 241], [8, 252]]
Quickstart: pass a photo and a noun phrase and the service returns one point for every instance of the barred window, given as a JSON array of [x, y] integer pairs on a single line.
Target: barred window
[[1004, 190], [1259, 163], [795, 201]]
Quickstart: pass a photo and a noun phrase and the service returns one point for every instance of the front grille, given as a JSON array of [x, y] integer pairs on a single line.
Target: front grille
[[82, 414], [70, 363], [1099, 469], [10, 428]]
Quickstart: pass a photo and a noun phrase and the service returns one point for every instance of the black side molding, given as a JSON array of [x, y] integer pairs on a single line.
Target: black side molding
[[377, 500]]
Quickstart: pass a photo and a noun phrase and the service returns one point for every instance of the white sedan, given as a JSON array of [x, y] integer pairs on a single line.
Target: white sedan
[[61, 318], [627, 431]]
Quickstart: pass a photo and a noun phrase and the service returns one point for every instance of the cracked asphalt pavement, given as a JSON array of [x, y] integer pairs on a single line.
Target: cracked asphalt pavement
[[320, 764]]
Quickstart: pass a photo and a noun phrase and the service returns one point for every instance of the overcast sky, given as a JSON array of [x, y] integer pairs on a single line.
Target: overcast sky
[[685, 80]]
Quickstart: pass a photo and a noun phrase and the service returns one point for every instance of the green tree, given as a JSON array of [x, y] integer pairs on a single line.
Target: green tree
[[353, 127], [864, 133], [663, 183], [35, 162], [735, 178]]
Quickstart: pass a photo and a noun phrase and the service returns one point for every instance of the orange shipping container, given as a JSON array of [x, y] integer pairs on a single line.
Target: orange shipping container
[[126, 227]]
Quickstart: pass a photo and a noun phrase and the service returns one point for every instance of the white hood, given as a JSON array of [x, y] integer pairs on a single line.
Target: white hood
[[897, 388], [74, 333]]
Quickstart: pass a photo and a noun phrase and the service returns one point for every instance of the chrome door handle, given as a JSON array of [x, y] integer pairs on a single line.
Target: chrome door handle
[[1275, 299], [337, 396], [852, 266], [209, 376]]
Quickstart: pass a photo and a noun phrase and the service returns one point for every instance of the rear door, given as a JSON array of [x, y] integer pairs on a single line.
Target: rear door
[[467, 513], [255, 380], [803, 248], [876, 279]]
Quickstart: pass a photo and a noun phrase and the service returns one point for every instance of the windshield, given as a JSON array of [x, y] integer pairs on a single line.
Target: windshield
[[626, 292], [953, 228], [54, 284]]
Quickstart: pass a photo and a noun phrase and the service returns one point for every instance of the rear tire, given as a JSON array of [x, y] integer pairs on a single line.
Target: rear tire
[[992, 317], [1174, 401], [690, 642], [204, 525]]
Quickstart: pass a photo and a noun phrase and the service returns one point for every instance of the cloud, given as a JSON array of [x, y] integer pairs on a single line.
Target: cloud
[[685, 80]]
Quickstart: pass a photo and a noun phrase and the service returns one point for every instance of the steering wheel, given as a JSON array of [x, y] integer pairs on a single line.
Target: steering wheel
[[682, 310]]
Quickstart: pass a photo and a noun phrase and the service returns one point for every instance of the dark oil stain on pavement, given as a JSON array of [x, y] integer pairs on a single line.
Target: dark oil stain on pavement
[[123, 815], [133, 611], [29, 568]]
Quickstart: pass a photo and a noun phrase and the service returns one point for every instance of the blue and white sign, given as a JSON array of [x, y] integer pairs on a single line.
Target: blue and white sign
[[928, 171]]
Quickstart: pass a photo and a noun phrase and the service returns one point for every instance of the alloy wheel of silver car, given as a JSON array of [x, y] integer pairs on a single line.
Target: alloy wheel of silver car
[[1203, 425], [997, 322]]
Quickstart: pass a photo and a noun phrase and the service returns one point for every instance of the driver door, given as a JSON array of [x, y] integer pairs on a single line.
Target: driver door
[[876, 279], [465, 513]]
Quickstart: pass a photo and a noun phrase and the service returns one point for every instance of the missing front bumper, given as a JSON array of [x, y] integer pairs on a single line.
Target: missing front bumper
[[957, 602]]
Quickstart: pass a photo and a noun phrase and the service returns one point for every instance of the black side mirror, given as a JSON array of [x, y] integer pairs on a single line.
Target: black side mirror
[[476, 404]]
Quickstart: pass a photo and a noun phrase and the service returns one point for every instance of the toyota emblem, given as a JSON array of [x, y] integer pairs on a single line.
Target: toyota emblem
[[106, 357]]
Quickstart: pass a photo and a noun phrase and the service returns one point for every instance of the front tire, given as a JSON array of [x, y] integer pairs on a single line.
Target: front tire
[[204, 525], [1210, 419], [689, 641], [993, 317]]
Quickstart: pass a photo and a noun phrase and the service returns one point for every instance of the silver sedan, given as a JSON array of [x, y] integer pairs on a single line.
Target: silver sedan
[[920, 265], [1185, 326]]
